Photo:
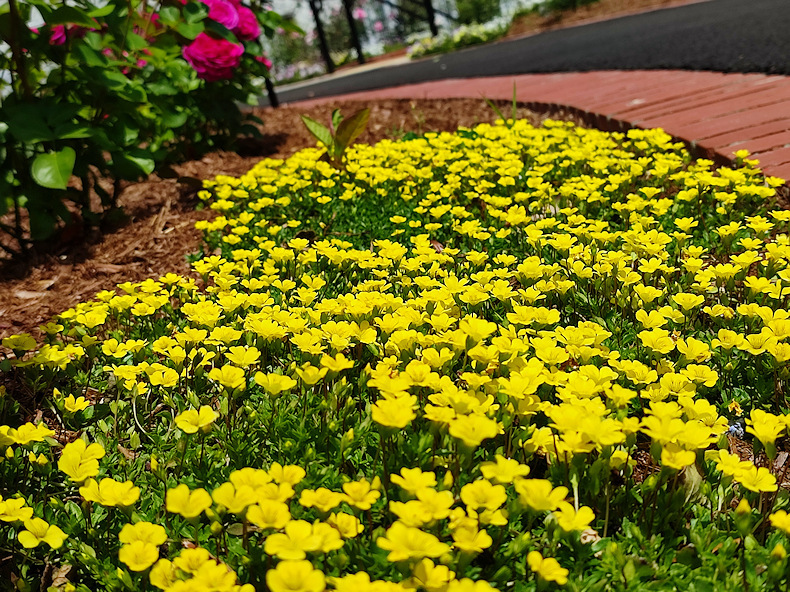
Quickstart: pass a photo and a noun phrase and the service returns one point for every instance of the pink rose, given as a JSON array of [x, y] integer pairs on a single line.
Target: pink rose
[[213, 59], [248, 28], [265, 61], [58, 36], [223, 12], [359, 14], [378, 26]]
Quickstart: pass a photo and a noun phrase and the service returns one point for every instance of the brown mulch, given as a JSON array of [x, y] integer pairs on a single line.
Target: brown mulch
[[160, 231]]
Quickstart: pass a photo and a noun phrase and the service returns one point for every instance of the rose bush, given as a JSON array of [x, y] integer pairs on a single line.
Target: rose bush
[[110, 91]]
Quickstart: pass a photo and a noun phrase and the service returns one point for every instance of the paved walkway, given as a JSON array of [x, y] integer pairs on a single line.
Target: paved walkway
[[715, 113]]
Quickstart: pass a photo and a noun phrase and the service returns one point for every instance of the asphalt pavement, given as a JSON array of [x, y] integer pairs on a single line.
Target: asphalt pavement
[[714, 35]]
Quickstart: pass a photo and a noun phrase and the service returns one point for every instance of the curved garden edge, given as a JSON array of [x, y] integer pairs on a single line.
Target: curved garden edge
[[714, 113]]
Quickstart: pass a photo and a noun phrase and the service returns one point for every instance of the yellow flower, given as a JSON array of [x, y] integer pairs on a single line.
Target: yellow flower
[[269, 514], [394, 413], [336, 364], [309, 374], [547, 568], [163, 574], [110, 492], [468, 585], [235, 499], [347, 525], [360, 494], [72, 405], [756, 479], [274, 384], [470, 539], [229, 376], [404, 542], [243, 356], [322, 498], [482, 494], [687, 301], [675, 457], [298, 540], [188, 504], [288, 474], [473, 429], [295, 576], [138, 556], [28, 433], [191, 420], [431, 577], [80, 461], [539, 494], [38, 531], [413, 480], [571, 520], [657, 340], [328, 537], [143, 532], [781, 520], [14, 510]]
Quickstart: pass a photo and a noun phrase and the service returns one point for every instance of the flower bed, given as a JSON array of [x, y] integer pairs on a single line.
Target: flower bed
[[509, 357]]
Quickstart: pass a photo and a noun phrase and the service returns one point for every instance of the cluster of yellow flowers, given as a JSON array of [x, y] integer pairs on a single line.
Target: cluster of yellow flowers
[[464, 309]]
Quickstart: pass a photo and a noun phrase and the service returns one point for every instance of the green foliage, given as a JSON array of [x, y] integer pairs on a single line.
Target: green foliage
[[339, 135], [472, 12], [103, 90]]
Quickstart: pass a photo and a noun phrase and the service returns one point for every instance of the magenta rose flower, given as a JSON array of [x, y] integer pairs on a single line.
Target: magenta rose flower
[[223, 12], [213, 59], [58, 36], [248, 28]]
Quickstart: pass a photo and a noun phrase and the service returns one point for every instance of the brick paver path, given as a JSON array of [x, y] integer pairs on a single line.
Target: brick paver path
[[715, 113]]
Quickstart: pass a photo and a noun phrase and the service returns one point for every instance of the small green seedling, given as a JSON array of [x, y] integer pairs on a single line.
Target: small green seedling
[[339, 135], [509, 122]]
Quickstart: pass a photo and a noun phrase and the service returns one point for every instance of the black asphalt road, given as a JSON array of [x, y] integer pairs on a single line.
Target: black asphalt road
[[717, 35]]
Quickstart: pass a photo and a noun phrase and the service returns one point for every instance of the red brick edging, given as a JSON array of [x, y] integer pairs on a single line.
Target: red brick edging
[[715, 113]]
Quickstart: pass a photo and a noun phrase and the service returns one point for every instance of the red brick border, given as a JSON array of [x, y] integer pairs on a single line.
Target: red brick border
[[714, 113]]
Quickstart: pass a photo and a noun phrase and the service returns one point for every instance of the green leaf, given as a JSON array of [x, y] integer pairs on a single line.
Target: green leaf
[[103, 11], [134, 162], [349, 129], [70, 15], [89, 56], [42, 224], [321, 132], [53, 169], [161, 88], [69, 131], [174, 119], [194, 12], [135, 42], [337, 117], [190, 30], [29, 130], [169, 15]]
